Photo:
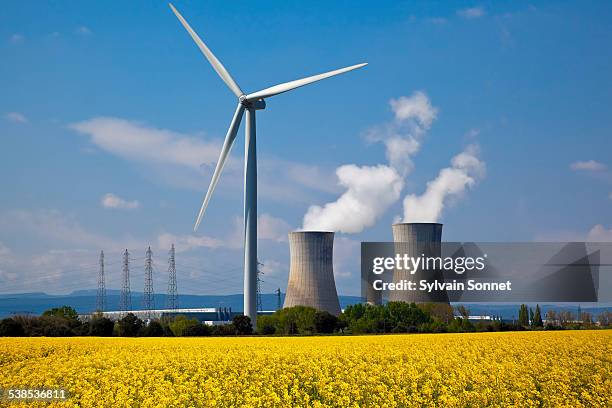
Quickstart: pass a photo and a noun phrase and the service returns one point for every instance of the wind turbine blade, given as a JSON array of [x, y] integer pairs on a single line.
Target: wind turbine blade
[[288, 86], [225, 150], [216, 64]]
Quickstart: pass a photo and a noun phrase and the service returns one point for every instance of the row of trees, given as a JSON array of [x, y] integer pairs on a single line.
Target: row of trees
[[401, 317], [298, 320], [393, 317], [582, 319], [529, 318], [64, 321]]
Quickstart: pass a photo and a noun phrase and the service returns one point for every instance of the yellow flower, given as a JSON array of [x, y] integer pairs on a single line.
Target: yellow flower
[[566, 368]]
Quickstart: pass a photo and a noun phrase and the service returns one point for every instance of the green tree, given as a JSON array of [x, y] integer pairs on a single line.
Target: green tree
[[396, 317], [129, 326], [537, 317], [460, 325], [223, 330], [354, 312], [400, 316], [65, 312], [197, 329], [153, 329], [242, 324], [463, 311], [297, 320], [10, 327], [29, 324], [325, 322], [54, 326], [101, 326], [523, 319], [441, 312], [182, 326], [59, 322], [267, 324]]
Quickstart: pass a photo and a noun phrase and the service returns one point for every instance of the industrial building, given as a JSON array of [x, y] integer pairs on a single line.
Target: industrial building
[[311, 272], [416, 240], [211, 315]]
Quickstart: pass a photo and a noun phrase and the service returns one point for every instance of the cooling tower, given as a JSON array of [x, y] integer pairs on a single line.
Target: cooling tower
[[311, 274], [418, 240]]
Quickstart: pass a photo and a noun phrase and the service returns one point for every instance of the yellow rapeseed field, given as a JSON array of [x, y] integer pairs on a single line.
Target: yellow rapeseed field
[[551, 369]]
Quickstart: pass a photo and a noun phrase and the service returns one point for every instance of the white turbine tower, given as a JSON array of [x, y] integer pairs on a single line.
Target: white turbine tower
[[249, 103]]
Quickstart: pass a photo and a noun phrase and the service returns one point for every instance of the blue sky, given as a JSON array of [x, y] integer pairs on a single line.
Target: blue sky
[[95, 97]]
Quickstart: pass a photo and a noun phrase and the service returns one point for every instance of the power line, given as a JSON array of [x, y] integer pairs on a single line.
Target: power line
[[125, 300], [148, 300], [101, 294], [172, 298]]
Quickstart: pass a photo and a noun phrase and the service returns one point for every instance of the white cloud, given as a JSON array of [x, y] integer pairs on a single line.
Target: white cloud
[[465, 171], [6, 261], [590, 165], [610, 196], [599, 234], [472, 12], [52, 271], [16, 117], [417, 106], [4, 251], [110, 200], [16, 38], [268, 228], [413, 116], [305, 175], [272, 228], [60, 230], [83, 30], [346, 257], [61, 255], [8, 278], [272, 267], [184, 243], [370, 190], [136, 141], [185, 161], [286, 181]]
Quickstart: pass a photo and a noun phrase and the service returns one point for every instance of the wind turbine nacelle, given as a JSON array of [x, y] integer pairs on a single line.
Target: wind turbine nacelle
[[257, 104]]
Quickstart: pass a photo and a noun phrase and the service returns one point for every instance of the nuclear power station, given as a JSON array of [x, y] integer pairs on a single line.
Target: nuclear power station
[[416, 240], [311, 272]]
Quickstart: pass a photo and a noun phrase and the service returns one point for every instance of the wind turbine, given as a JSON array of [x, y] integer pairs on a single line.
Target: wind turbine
[[249, 103]]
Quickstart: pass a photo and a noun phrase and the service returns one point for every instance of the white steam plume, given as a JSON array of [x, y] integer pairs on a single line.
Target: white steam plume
[[465, 171], [414, 115], [371, 190]]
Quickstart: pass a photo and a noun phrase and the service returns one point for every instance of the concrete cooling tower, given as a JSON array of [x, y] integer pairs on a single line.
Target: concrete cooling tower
[[311, 274], [417, 240]]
